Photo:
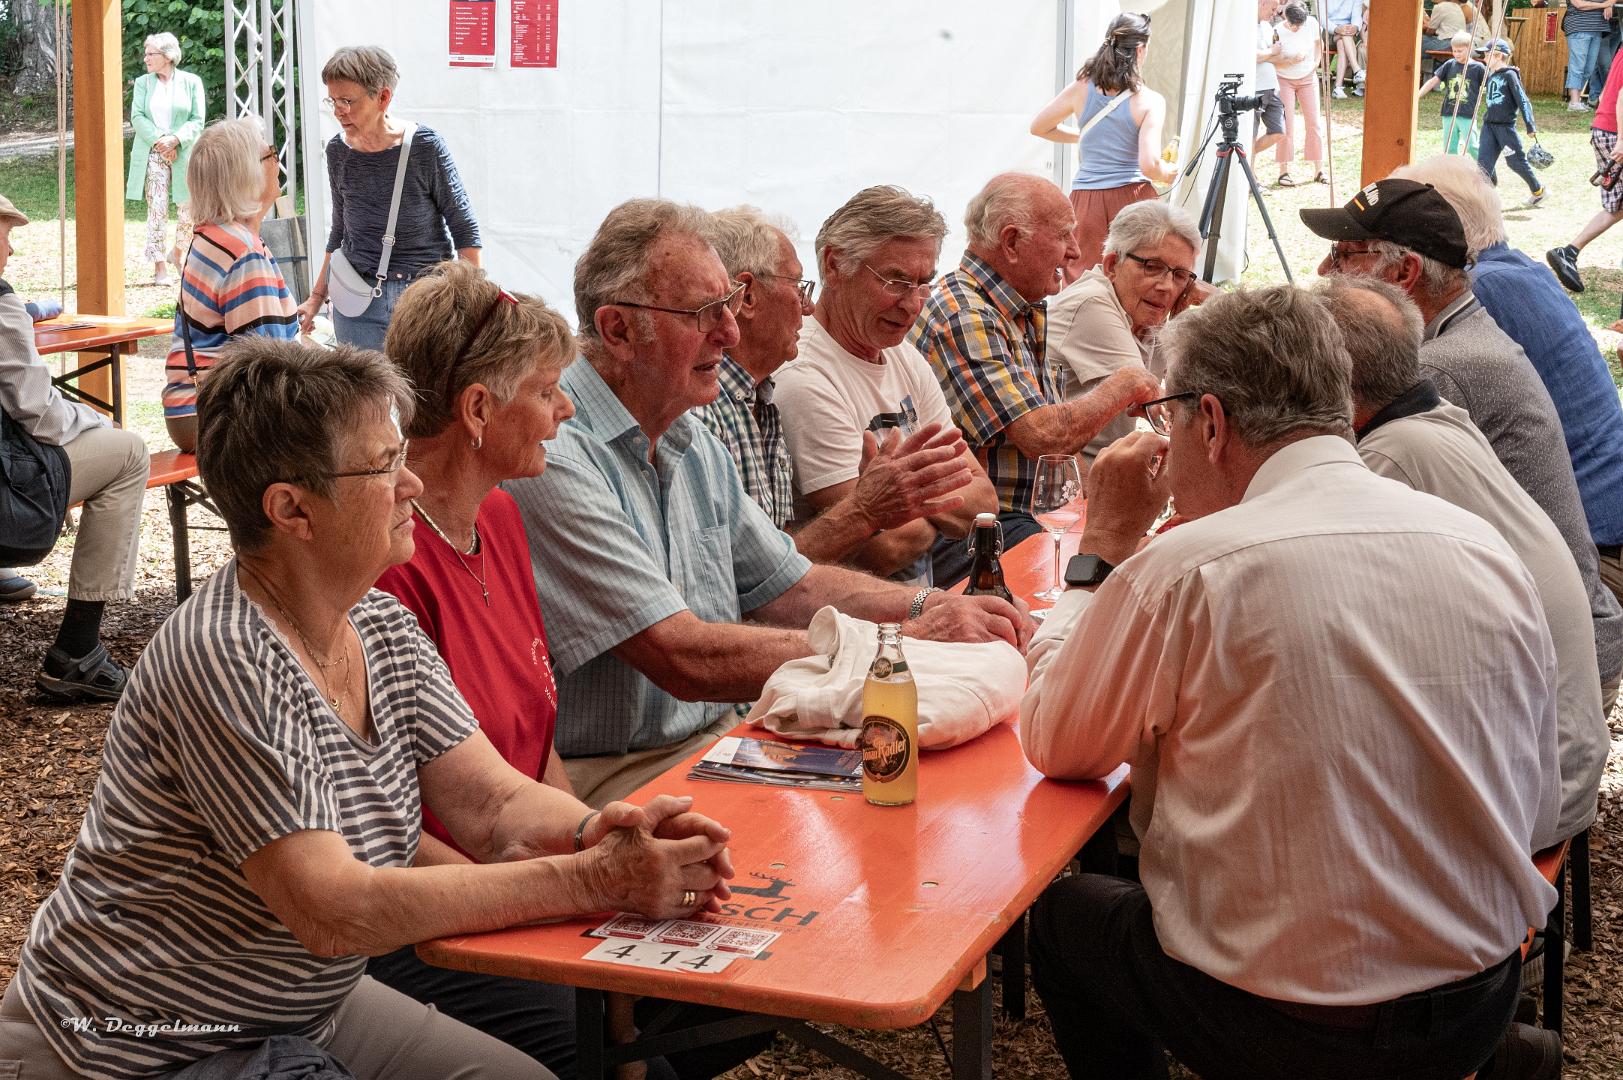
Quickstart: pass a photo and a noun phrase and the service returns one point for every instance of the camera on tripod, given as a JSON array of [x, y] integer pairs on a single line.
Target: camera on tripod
[[1229, 103]]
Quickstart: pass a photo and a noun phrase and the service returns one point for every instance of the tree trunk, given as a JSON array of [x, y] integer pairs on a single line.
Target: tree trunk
[[37, 20]]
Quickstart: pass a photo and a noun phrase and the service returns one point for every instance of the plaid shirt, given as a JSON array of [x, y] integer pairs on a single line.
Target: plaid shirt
[[745, 420], [987, 345]]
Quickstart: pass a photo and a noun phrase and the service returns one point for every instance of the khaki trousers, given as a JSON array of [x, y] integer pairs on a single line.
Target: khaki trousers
[[109, 477], [602, 779]]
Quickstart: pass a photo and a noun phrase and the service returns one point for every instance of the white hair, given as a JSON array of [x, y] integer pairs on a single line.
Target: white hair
[[1458, 180], [1147, 223], [1007, 199], [166, 43]]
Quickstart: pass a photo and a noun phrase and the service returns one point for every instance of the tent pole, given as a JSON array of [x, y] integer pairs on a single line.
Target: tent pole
[[1390, 108]]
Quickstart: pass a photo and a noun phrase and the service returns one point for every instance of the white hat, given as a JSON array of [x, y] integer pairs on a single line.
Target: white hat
[[9, 214]]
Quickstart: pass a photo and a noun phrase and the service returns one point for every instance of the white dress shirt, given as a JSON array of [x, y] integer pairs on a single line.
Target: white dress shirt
[[1338, 700]]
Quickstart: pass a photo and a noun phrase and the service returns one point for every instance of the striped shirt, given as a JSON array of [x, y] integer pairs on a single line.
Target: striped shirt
[[434, 212], [230, 286], [987, 344], [618, 543], [220, 745], [745, 420]]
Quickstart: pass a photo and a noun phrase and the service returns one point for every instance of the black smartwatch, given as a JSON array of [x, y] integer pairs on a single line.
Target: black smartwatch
[[1086, 571]]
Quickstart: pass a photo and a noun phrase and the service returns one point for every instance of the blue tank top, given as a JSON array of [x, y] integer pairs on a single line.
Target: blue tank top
[[1110, 150]]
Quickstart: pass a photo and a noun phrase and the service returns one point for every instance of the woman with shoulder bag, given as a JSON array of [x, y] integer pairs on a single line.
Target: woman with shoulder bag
[[1119, 128], [387, 178], [230, 283]]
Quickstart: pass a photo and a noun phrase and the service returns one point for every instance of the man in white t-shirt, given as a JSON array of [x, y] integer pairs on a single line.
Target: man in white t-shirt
[[855, 374], [1271, 113]]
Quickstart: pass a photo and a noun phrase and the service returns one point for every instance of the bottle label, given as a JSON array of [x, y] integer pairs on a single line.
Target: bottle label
[[883, 667], [885, 748]]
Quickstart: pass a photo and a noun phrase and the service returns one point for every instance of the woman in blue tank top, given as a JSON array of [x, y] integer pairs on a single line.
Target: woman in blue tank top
[[1121, 150]]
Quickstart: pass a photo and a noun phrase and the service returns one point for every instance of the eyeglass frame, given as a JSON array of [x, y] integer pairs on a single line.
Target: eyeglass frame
[[1185, 278], [806, 287], [733, 302], [484, 321], [272, 152], [397, 463], [1160, 426], [344, 102], [921, 289], [1337, 256]]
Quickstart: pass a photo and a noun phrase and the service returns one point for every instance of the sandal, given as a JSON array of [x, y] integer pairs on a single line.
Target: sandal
[[1320, 178], [1285, 180], [92, 677]]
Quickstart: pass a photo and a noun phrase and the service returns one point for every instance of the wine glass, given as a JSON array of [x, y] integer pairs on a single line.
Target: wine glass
[[1059, 483]]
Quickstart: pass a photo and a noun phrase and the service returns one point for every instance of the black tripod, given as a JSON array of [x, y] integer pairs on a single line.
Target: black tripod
[[1211, 212]]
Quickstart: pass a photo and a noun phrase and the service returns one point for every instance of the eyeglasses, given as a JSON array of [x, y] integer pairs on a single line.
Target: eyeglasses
[[1157, 269], [707, 317], [900, 287], [396, 463], [270, 153], [484, 321], [805, 288], [1341, 251], [1155, 411], [339, 102]]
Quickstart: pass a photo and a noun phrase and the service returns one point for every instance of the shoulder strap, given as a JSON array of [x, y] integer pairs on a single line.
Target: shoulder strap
[[180, 313], [394, 208], [1102, 113]]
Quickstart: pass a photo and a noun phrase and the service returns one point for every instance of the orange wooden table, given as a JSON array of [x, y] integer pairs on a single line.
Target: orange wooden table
[[110, 338]]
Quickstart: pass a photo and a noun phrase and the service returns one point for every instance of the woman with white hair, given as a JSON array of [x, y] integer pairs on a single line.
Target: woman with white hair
[[230, 284], [167, 113]]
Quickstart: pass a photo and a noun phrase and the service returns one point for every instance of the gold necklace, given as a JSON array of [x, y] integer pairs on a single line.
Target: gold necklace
[[337, 702], [472, 547]]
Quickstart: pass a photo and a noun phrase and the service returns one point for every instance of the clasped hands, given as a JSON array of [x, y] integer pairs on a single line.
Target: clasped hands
[[644, 859]]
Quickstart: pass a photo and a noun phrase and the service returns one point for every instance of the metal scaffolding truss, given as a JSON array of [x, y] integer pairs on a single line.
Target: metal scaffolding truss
[[259, 59]]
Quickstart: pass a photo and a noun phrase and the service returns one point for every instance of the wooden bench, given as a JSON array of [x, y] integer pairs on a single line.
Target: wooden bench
[[176, 473]]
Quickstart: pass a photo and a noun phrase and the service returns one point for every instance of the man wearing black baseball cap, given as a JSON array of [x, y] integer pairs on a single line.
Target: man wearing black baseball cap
[[1402, 212]]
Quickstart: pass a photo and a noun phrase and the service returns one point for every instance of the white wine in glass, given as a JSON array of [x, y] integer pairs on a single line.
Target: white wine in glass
[[1059, 485]]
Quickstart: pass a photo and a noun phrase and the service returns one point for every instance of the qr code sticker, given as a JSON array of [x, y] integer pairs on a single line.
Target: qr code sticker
[[688, 933], [747, 942]]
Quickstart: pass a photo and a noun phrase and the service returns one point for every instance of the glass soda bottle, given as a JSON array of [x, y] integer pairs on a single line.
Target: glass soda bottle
[[890, 725], [985, 571]]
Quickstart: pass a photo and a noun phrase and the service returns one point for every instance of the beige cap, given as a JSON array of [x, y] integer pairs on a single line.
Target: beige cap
[[10, 213]]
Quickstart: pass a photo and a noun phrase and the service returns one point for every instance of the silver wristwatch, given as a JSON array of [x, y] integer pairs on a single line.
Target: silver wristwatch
[[916, 608]]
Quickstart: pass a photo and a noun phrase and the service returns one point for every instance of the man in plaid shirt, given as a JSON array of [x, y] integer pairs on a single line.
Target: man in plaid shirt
[[897, 482], [983, 332]]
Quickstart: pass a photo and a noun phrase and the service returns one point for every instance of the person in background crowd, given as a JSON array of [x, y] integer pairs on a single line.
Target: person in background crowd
[[901, 481], [1307, 606], [985, 334], [1506, 99], [1300, 48], [1461, 81], [1406, 233], [1347, 21], [167, 112], [230, 282], [1447, 19], [647, 552], [1407, 432], [857, 373], [1101, 327], [1528, 306], [107, 473], [1119, 124], [1586, 24], [362, 161], [1609, 164], [1270, 114]]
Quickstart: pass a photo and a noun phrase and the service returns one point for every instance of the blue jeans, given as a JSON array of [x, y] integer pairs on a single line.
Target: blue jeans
[[1115, 999], [1497, 138], [366, 330], [1583, 53]]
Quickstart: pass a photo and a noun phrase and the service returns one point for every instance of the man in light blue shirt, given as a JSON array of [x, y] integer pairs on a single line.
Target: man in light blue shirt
[[646, 549]]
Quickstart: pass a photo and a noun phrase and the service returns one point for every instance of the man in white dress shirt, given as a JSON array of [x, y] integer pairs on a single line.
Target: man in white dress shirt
[[1335, 693]]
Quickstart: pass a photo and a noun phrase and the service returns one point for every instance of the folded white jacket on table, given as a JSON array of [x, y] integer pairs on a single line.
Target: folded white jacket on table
[[963, 689]]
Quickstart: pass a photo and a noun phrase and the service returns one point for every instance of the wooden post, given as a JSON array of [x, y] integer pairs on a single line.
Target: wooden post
[[98, 159], [1390, 110]]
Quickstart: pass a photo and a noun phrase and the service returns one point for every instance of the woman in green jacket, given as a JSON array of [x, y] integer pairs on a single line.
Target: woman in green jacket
[[167, 111]]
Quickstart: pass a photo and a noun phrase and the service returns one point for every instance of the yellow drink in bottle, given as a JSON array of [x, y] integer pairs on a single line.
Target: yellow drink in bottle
[[1170, 153], [890, 725]]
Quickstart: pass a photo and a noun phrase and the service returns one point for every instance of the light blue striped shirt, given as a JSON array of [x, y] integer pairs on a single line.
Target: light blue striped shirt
[[618, 544]]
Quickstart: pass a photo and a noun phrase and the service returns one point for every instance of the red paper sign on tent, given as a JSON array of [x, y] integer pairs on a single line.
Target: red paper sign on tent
[[535, 33], [473, 33]]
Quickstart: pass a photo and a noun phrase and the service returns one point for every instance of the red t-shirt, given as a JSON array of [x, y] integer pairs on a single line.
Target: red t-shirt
[[1605, 116], [497, 655]]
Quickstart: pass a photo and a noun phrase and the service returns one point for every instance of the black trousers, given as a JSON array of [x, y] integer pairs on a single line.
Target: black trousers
[[1496, 138], [1115, 1000]]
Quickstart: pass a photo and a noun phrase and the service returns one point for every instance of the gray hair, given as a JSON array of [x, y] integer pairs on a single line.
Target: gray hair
[[454, 327], [367, 66], [1385, 349], [224, 175], [1007, 199], [615, 264], [166, 43], [1272, 356], [1146, 224], [1476, 201], [746, 240], [1436, 278], [276, 411], [871, 217]]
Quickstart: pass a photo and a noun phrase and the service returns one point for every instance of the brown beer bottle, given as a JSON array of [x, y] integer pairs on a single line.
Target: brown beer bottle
[[985, 572]]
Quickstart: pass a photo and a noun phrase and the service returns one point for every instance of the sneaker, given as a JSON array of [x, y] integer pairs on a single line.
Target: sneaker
[[1564, 261], [1338, 92], [14, 588], [1358, 90], [1359, 76], [1577, 106], [1526, 1053], [1536, 198], [93, 677]]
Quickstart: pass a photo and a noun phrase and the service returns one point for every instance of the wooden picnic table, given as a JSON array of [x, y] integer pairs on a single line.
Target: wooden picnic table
[[884, 913], [106, 340]]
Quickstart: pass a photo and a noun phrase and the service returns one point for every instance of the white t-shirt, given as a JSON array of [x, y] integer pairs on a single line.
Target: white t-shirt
[[1267, 77], [1090, 338], [1299, 43], [161, 104], [827, 397]]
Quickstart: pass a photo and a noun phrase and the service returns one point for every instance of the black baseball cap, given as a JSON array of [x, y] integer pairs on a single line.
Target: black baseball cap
[[1403, 212]]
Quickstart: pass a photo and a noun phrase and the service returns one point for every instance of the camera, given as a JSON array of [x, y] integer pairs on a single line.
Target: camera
[[1229, 102]]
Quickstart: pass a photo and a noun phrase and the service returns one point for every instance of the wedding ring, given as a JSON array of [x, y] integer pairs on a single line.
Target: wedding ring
[[690, 899]]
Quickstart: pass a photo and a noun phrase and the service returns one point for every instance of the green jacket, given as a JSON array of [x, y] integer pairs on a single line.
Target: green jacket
[[185, 123]]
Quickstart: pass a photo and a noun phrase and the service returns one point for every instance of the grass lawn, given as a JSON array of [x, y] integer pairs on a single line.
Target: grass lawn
[[30, 183]]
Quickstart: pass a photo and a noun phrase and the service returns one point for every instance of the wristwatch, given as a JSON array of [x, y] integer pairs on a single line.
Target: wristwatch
[[916, 608], [1086, 571]]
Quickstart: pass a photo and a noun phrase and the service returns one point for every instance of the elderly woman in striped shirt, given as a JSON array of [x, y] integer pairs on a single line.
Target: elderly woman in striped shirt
[[255, 833], [229, 282]]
